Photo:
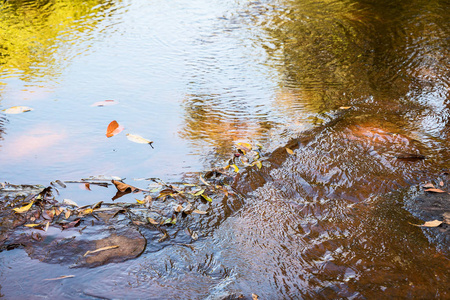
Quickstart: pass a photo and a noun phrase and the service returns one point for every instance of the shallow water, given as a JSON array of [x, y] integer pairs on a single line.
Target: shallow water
[[349, 86]]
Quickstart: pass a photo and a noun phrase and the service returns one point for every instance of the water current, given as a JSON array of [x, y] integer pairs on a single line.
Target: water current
[[349, 100]]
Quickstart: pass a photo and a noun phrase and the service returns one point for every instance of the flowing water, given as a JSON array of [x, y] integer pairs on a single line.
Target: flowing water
[[351, 87]]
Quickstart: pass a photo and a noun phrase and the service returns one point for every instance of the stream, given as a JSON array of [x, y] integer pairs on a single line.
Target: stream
[[348, 102]]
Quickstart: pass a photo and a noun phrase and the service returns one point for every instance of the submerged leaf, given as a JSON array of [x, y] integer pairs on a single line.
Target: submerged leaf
[[17, 110], [138, 139], [435, 190], [105, 103], [434, 223], [113, 129], [100, 249], [24, 208], [61, 277]]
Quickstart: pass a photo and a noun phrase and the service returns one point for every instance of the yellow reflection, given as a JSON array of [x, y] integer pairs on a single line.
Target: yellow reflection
[[34, 35]]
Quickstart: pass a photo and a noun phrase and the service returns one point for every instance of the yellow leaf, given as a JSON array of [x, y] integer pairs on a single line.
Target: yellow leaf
[[257, 163], [138, 139], [17, 110], [100, 249], [199, 192], [207, 198], [32, 225], [87, 211], [140, 201], [288, 150], [236, 169], [23, 208]]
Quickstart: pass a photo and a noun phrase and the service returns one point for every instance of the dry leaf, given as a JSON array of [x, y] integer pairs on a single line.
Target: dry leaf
[[123, 187], [61, 277], [24, 208], [254, 297], [428, 185], [201, 212], [345, 107], [206, 197], [152, 221], [32, 225], [67, 214], [138, 139], [113, 129], [100, 249], [236, 169], [288, 150], [17, 110], [69, 202], [87, 186], [244, 147], [434, 223], [435, 190], [105, 103]]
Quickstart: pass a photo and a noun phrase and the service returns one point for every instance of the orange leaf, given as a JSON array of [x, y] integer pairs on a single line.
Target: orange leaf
[[435, 190], [123, 187], [113, 129]]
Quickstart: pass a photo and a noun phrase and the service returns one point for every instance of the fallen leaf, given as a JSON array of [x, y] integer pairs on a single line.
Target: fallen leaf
[[32, 225], [435, 190], [24, 208], [113, 129], [434, 223], [254, 297], [152, 221], [206, 197], [200, 212], [258, 164], [74, 223], [236, 169], [47, 225], [87, 186], [428, 185], [441, 183], [105, 103], [199, 192], [100, 249], [138, 139], [69, 202], [345, 107], [178, 208], [244, 147], [61, 277], [17, 110], [67, 214], [87, 211], [123, 187], [288, 150]]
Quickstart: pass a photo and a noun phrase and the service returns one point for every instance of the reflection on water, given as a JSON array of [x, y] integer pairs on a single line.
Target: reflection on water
[[370, 79]]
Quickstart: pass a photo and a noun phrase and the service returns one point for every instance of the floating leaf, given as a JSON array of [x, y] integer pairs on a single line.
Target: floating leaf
[[345, 107], [74, 223], [435, 191], [138, 139], [123, 187], [61, 277], [200, 212], [428, 185], [105, 103], [69, 202], [87, 186], [17, 110], [101, 249], [289, 150], [87, 211], [235, 168], [113, 129], [24, 208], [434, 223]]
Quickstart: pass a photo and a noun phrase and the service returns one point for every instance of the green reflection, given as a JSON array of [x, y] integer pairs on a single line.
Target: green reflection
[[37, 37], [338, 53]]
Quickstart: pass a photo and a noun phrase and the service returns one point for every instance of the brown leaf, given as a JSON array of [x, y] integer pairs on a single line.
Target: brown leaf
[[74, 223], [113, 129], [435, 190], [123, 187], [87, 186], [434, 223], [201, 212], [428, 185], [152, 221]]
